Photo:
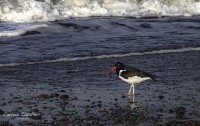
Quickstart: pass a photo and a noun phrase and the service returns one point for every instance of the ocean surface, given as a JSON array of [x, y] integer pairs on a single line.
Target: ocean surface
[[50, 45]]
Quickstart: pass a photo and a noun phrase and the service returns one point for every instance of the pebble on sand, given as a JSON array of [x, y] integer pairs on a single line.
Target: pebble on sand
[[4, 123], [180, 111], [43, 96], [1, 112]]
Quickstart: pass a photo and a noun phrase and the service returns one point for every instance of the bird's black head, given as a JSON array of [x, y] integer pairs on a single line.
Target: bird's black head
[[119, 64]]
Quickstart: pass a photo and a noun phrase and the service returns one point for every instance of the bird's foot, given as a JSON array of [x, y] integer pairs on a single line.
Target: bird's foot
[[130, 94]]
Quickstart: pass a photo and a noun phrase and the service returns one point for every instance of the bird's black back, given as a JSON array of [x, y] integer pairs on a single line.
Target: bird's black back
[[132, 71]]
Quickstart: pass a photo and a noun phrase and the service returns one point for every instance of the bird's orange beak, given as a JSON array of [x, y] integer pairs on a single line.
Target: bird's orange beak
[[111, 70]]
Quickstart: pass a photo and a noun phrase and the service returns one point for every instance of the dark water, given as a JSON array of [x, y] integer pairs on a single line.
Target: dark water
[[166, 47], [97, 36]]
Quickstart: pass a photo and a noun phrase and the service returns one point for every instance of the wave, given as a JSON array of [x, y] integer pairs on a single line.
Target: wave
[[104, 56], [17, 29], [51, 10]]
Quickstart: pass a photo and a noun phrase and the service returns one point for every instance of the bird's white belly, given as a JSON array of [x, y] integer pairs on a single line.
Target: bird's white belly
[[133, 79]]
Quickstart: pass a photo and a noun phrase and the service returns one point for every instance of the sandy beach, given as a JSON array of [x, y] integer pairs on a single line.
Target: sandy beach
[[81, 93]]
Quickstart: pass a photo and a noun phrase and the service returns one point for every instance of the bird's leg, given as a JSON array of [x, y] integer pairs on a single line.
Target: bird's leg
[[131, 90]]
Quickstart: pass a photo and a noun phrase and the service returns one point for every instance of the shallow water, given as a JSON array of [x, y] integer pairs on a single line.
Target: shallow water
[[100, 36], [177, 84]]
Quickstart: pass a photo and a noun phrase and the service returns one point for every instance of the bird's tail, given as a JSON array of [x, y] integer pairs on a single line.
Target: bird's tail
[[153, 77]]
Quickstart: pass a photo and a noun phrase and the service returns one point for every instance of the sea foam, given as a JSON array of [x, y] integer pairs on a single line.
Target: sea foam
[[50, 10], [71, 59], [17, 29]]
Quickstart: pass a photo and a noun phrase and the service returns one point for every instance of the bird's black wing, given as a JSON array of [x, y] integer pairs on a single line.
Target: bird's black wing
[[132, 71]]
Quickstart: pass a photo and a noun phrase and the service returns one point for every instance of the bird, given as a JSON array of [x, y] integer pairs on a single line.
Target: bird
[[130, 75]]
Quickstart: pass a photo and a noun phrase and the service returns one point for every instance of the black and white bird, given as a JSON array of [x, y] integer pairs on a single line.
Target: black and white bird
[[130, 75]]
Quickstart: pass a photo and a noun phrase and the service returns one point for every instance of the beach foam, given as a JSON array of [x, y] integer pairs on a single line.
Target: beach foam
[[104, 56], [50, 10], [17, 29]]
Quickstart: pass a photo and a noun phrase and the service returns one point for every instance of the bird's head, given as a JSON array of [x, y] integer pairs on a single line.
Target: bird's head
[[118, 65]]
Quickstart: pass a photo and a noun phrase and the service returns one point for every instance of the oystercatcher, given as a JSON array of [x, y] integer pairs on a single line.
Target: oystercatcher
[[130, 75]]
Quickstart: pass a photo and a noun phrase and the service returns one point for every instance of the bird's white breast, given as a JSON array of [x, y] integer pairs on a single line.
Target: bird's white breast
[[133, 79]]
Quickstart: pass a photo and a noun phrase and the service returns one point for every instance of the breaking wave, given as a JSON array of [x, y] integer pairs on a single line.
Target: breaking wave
[[104, 56], [51, 10], [11, 30]]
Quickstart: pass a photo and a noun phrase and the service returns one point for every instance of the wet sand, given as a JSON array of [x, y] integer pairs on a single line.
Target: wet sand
[[81, 93]]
